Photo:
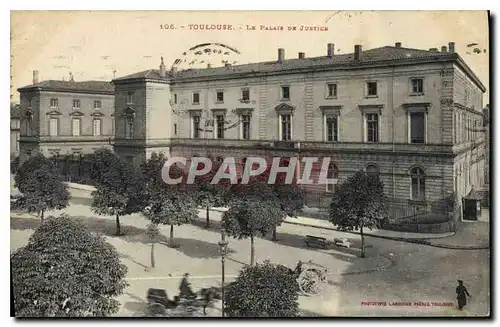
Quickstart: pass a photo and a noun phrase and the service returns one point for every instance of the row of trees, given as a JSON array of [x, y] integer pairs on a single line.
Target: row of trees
[[256, 208]]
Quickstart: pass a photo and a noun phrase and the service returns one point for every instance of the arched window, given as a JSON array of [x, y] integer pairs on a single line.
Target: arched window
[[333, 172], [417, 184], [372, 169]]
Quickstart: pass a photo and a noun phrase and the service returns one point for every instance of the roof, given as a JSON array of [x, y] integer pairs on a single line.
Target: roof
[[15, 110], [383, 55], [71, 86]]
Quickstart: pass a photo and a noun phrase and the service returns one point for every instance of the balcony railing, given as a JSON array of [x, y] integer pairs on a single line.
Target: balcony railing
[[66, 138]]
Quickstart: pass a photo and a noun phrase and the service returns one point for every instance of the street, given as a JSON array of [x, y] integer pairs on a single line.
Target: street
[[393, 272]]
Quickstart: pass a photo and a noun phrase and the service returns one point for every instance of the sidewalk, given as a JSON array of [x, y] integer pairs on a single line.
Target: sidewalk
[[470, 236]]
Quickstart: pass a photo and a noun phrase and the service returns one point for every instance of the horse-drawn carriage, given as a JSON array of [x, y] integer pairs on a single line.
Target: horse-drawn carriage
[[182, 305], [311, 277]]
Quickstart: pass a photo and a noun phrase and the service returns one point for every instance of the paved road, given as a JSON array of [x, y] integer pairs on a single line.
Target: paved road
[[415, 273]]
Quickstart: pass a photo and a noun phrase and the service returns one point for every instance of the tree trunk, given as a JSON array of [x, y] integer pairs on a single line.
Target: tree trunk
[[118, 231], [41, 216], [171, 235], [274, 234], [252, 251], [362, 243], [208, 217], [152, 254]]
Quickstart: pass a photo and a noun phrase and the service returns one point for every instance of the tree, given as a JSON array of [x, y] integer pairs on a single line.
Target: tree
[[41, 187], [263, 290], [167, 204], [291, 198], [66, 271], [210, 195], [250, 216], [360, 202], [153, 233], [119, 186]]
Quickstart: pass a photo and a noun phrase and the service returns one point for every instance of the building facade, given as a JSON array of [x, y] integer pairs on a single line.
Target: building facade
[[65, 118], [15, 128], [405, 114]]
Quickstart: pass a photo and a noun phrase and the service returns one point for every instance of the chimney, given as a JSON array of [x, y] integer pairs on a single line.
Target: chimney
[[71, 79], [443, 48], [35, 76], [162, 68], [398, 44], [281, 55], [330, 49], [451, 47], [433, 49], [357, 52], [209, 65], [302, 55], [227, 65], [173, 69]]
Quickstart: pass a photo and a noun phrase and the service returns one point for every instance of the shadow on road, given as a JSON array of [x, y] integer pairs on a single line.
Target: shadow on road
[[136, 308], [197, 248], [24, 223]]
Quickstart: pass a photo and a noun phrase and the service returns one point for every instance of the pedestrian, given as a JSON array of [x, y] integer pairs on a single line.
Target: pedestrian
[[185, 287], [461, 295]]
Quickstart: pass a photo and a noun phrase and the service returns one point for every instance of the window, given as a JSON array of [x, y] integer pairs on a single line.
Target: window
[[245, 94], [286, 127], [245, 127], [113, 125], [285, 93], [175, 98], [331, 129], [75, 126], [175, 129], [220, 126], [54, 103], [220, 96], [76, 104], [417, 184], [417, 126], [372, 170], [29, 125], [129, 127], [196, 98], [417, 86], [53, 126], [196, 127], [29, 103], [333, 172], [97, 127], [97, 104], [372, 128], [371, 89], [130, 98], [331, 90]]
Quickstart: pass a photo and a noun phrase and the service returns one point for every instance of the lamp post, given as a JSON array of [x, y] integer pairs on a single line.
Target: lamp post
[[223, 249]]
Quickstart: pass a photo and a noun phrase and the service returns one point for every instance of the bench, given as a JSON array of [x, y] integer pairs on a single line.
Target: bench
[[342, 242], [315, 241]]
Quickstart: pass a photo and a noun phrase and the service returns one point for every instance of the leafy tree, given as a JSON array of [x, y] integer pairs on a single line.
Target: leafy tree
[[153, 233], [250, 216], [360, 202], [41, 187], [291, 198], [210, 195], [66, 271], [167, 204], [263, 290], [119, 186]]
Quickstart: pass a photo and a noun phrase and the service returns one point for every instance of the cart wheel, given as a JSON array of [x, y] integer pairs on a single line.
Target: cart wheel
[[157, 309], [310, 282]]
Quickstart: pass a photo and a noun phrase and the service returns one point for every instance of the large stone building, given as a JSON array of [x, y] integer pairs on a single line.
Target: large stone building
[[406, 114], [61, 118]]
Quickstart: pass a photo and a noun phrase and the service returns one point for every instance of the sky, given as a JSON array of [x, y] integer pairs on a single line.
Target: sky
[[97, 45]]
